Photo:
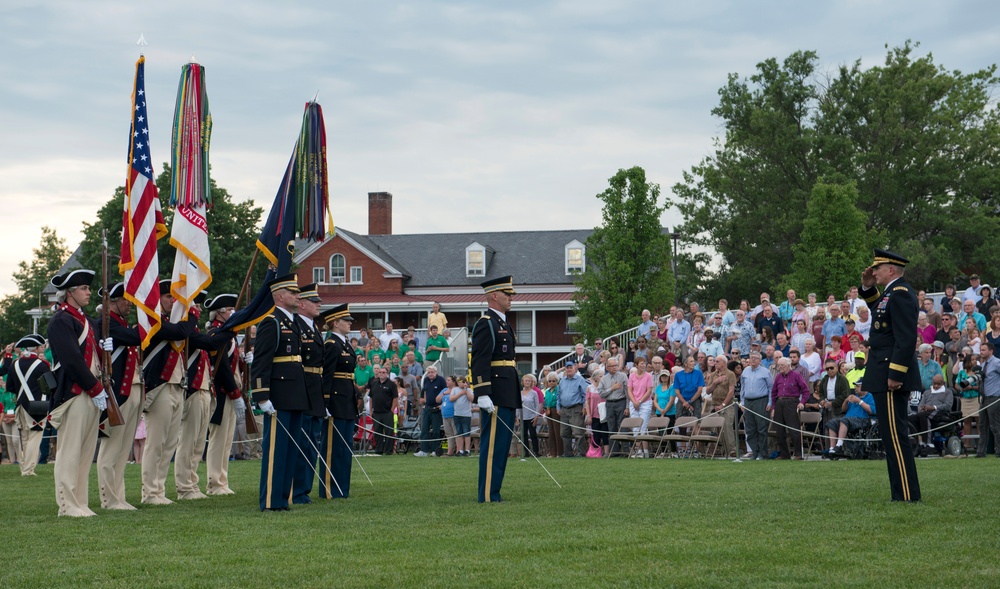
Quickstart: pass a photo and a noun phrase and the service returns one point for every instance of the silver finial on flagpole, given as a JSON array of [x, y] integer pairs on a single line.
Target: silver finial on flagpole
[[193, 59], [142, 44], [315, 98]]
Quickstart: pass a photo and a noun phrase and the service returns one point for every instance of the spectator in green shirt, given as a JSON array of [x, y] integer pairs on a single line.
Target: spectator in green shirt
[[363, 372], [435, 344]]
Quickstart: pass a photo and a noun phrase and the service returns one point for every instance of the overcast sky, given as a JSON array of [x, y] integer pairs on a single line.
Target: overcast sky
[[475, 115]]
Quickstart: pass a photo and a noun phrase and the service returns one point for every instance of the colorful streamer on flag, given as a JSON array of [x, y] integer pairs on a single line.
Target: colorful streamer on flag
[[190, 191], [301, 209], [190, 184], [142, 218]]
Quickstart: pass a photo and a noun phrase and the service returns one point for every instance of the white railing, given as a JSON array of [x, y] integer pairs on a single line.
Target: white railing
[[622, 336]]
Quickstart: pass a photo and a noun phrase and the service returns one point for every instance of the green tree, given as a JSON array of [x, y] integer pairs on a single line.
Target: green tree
[[835, 243], [918, 141], [628, 258], [233, 229], [31, 278]]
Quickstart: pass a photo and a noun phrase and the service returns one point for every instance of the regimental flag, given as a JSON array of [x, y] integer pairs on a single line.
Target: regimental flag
[[301, 208], [142, 218], [190, 190]]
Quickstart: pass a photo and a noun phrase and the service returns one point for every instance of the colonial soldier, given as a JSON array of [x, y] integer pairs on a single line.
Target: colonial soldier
[[23, 381], [891, 371], [312, 420], [496, 386], [280, 392], [343, 401], [79, 395], [163, 373], [196, 409], [227, 401], [126, 381]]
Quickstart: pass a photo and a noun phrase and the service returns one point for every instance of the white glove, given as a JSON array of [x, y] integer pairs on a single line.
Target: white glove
[[239, 404], [267, 407], [248, 357], [100, 401], [108, 345], [485, 404], [328, 414]]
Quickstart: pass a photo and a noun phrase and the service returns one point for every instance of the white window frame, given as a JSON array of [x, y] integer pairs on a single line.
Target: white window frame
[[319, 275], [469, 270], [575, 268], [360, 275], [334, 279]]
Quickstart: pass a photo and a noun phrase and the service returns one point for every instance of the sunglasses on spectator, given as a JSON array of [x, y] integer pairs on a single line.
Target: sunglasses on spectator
[[831, 367]]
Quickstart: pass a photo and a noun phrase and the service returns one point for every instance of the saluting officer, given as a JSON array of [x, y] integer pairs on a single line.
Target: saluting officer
[[312, 420], [343, 400], [891, 371], [126, 380], [79, 397], [197, 404], [496, 386], [32, 402], [280, 392], [227, 400], [163, 374]]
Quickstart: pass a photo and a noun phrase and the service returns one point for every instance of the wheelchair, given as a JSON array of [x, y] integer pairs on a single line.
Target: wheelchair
[[863, 444], [947, 440]]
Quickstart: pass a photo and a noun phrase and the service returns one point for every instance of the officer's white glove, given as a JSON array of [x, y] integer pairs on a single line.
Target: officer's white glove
[[267, 407], [100, 401], [248, 357], [108, 345], [328, 414], [485, 404], [239, 404]]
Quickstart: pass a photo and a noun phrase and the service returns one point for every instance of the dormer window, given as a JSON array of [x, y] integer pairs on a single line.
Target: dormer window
[[575, 257], [475, 260]]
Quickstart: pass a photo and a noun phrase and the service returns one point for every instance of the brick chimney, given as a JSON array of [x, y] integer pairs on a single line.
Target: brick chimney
[[379, 213]]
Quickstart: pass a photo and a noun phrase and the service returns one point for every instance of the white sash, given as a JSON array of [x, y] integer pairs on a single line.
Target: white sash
[[151, 355], [24, 378]]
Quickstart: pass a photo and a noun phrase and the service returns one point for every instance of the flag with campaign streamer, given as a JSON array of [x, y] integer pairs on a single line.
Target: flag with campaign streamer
[[190, 190], [142, 218], [301, 209]]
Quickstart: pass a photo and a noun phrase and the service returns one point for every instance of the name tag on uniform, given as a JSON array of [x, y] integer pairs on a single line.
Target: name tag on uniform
[[501, 331]]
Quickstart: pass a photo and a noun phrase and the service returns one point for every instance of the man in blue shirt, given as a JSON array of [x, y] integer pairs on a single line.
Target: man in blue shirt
[[569, 403], [680, 329], [989, 417], [834, 325], [755, 392], [860, 411], [646, 324], [969, 310], [430, 418]]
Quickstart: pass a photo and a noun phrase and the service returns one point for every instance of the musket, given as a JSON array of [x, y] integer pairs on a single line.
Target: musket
[[114, 411]]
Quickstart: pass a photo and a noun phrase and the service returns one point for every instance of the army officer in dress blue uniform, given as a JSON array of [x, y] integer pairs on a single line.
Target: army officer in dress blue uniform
[[311, 344], [279, 390], [892, 372], [343, 400], [496, 385]]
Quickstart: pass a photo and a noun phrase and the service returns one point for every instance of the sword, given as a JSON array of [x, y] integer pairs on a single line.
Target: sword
[[320, 456], [352, 453], [292, 438], [518, 438]]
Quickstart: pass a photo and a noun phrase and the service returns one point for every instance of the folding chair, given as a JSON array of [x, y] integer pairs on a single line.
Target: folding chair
[[656, 429], [709, 431], [815, 433], [625, 434], [682, 423], [475, 430]]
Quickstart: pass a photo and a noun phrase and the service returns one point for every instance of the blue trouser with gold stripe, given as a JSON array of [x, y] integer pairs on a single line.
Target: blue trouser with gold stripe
[[494, 445], [893, 427], [277, 465], [338, 456], [305, 466]]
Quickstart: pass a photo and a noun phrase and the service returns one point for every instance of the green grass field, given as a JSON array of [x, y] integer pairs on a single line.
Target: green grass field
[[619, 523]]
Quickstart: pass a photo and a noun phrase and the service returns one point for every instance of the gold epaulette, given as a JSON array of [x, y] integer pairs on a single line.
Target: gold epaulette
[[899, 288]]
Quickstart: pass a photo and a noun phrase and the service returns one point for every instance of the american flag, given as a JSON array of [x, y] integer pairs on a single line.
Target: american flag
[[142, 220]]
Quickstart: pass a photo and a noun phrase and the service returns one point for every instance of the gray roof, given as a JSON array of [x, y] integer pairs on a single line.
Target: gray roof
[[438, 259]]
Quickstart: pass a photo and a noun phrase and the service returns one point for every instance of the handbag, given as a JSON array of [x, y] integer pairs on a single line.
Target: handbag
[[602, 411], [594, 451]]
